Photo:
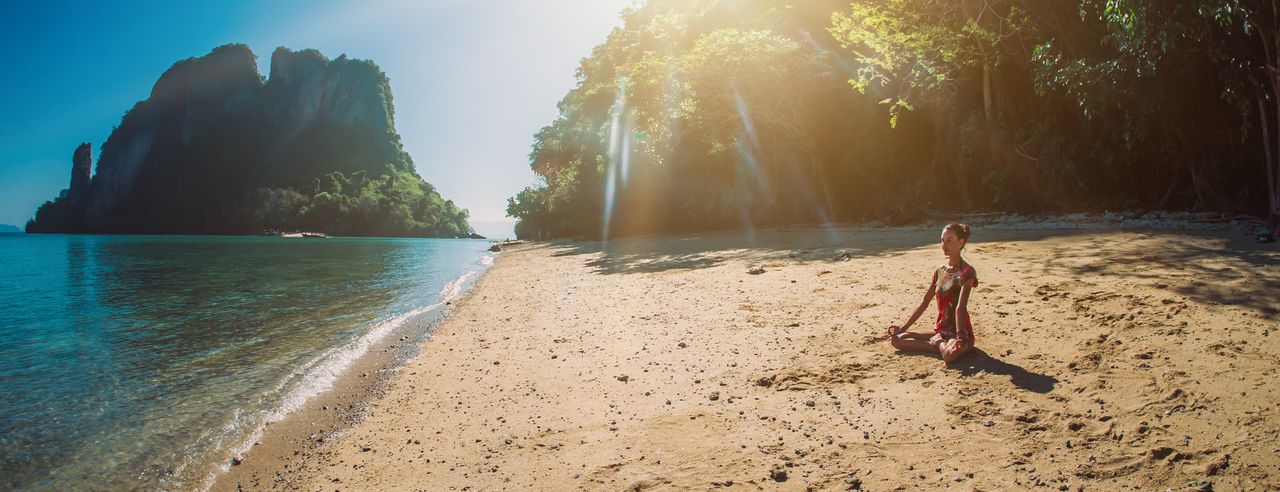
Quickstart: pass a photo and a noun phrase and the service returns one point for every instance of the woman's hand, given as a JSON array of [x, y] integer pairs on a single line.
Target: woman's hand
[[894, 330]]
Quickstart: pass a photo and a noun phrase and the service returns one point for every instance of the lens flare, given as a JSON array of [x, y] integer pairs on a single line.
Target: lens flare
[[619, 148], [841, 63], [625, 158], [744, 115], [835, 57], [752, 181], [748, 142], [782, 167], [672, 92]]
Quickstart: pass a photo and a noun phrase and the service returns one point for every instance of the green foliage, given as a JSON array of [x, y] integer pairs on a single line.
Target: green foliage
[[716, 113], [918, 50], [901, 48], [390, 205], [1199, 68], [695, 115], [707, 114], [57, 212]]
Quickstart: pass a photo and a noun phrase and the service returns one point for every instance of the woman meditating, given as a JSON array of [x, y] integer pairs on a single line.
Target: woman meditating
[[952, 334]]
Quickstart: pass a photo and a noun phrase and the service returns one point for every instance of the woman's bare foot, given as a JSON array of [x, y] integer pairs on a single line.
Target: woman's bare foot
[[952, 350]]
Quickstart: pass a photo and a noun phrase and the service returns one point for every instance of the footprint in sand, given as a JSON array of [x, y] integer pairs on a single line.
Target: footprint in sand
[[804, 378]]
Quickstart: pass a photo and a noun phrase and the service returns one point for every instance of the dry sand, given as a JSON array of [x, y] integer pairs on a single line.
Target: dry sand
[[1105, 360]]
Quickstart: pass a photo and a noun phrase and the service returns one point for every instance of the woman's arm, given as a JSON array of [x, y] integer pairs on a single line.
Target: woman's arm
[[924, 303], [963, 317]]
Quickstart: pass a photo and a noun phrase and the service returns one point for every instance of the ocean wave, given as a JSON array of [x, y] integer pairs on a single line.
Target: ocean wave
[[318, 375]]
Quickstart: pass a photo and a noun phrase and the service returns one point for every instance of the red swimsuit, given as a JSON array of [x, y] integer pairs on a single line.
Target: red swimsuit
[[949, 285]]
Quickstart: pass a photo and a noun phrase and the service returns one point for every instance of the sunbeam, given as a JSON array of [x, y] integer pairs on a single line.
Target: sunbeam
[[749, 142], [744, 115], [619, 147]]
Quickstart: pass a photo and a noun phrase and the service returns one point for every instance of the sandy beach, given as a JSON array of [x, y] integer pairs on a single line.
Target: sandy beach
[[1106, 359]]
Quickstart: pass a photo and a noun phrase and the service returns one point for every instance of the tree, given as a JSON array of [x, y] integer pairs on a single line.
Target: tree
[[712, 113], [916, 50], [1169, 53]]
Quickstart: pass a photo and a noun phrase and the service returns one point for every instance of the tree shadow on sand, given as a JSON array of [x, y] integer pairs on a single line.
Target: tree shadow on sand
[[792, 245], [649, 254], [1234, 272]]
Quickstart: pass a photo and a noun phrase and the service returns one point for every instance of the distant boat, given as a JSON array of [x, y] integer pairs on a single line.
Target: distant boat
[[275, 233]]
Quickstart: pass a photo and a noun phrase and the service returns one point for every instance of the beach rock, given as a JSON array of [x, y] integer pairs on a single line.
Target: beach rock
[[756, 270], [765, 382], [495, 248], [1218, 466], [715, 395], [235, 461], [624, 378], [843, 256], [778, 474], [854, 483], [81, 167]]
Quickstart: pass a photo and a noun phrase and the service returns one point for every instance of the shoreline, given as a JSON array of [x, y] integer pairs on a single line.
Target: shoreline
[[659, 361], [326, 414]]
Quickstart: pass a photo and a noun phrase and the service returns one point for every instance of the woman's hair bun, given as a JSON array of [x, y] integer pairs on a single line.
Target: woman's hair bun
[[961, 230]]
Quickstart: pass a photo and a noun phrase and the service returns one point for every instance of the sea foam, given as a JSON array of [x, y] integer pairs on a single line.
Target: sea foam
[[318, 375]]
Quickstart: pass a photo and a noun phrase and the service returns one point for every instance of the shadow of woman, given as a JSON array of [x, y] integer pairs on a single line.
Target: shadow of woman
[[978, 361]]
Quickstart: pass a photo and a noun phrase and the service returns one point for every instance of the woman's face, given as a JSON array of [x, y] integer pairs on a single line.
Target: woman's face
[[951, 243]]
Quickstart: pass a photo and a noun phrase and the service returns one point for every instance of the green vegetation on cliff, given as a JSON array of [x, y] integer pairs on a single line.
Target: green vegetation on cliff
[[702, 114], [217, 148]]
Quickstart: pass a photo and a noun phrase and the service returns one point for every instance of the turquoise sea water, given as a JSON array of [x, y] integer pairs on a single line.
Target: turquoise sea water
[[137, 361]]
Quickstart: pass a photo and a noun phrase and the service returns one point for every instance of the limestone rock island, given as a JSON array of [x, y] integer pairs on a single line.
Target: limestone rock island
[[219, 149]]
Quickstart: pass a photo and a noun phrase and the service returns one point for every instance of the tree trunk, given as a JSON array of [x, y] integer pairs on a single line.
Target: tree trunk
[[986, 90], [1173, 186], [1273, 164], [819, 174], [1268, 163], [1206, 196], [959, 167], [1272, 65]]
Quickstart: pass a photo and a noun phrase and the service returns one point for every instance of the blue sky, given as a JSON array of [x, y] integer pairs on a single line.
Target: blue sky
[[473, 79]]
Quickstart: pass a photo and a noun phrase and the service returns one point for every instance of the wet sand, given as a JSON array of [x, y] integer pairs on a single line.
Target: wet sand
[[1106, 359]]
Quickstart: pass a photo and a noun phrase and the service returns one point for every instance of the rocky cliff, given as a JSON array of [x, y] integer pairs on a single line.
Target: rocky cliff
[[81, 168], [214, 133]]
